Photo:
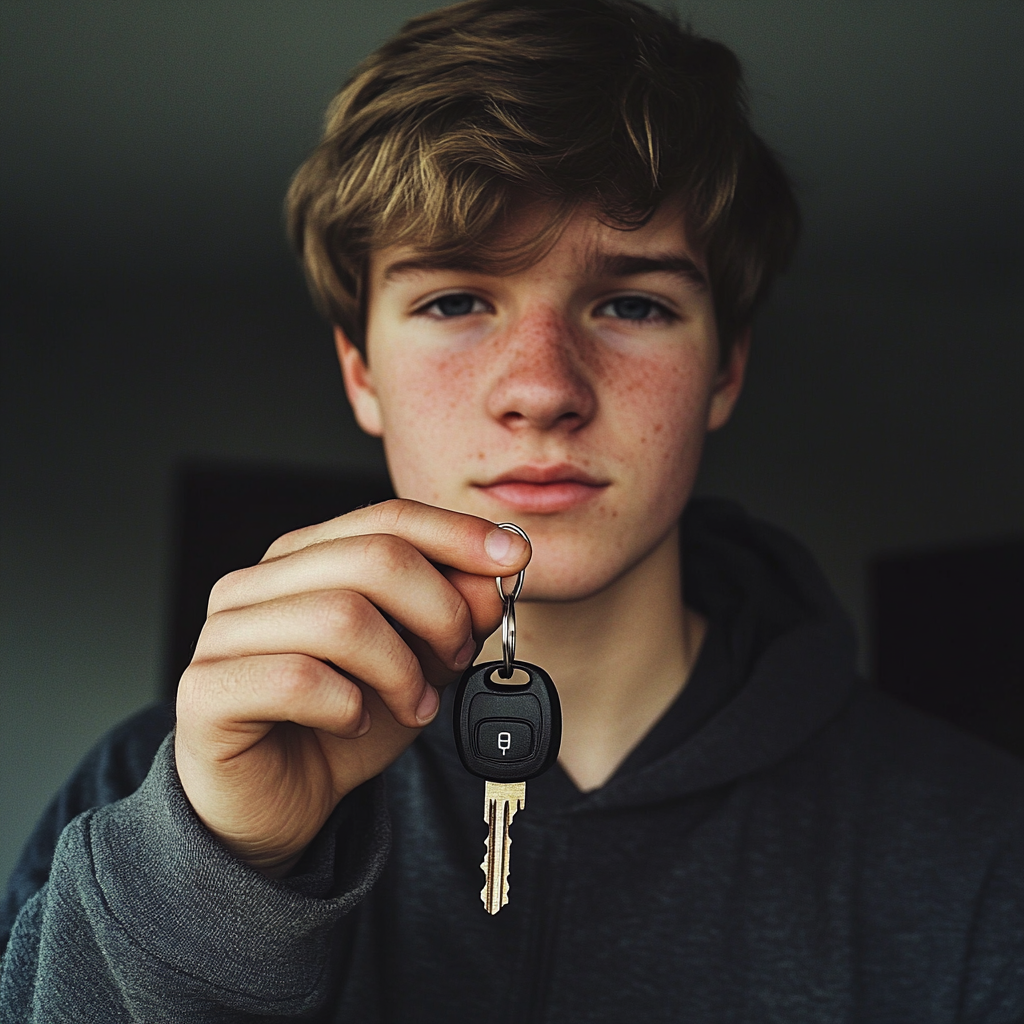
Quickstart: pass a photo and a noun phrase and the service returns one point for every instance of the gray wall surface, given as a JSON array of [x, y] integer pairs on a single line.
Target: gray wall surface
[[151, 311]]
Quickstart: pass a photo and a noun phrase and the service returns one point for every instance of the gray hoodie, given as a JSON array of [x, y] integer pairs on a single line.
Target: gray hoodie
[[803, 850]]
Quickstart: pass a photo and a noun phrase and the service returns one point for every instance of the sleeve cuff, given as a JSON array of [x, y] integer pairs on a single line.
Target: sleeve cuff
[[178, 895]]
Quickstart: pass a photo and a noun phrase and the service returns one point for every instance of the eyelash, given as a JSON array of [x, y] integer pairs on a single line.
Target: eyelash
[[431, 306], [661, 314]]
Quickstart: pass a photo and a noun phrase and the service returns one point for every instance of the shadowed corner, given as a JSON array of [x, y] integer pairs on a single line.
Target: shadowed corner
[[948, 635]]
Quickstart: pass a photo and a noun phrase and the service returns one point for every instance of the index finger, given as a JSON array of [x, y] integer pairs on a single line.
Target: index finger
[[462, 541]]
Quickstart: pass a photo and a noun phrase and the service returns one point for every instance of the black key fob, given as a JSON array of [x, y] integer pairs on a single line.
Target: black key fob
[[506, 732]]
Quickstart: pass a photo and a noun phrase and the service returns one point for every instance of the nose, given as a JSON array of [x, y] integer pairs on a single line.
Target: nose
[[543, 380]]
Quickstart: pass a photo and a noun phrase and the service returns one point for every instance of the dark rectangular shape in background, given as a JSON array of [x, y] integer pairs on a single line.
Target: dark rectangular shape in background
[[949, 636], [227, 517]]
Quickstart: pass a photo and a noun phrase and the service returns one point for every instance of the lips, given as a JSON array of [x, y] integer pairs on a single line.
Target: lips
[[543, 489]]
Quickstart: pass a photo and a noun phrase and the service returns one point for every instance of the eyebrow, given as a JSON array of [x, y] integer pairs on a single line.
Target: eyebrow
[[600, 264], [401, 268], [607, 264]]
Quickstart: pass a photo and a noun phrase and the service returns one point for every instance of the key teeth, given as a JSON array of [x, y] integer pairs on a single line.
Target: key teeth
[[496, 897], [497, 851], [493, 907], [502, 801]]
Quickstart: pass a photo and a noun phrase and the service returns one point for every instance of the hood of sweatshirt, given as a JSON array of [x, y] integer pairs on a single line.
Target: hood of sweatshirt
[[795, 644]]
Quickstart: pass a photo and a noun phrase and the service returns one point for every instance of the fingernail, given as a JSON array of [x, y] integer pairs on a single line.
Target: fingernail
[[428, 705], [364, 723], [467, 652], [505, 547]]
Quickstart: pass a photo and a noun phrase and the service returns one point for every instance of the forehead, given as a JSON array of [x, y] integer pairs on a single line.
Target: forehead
[[585, 245]]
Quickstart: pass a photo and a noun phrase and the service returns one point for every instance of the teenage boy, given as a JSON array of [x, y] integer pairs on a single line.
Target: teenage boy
[[540, 231]]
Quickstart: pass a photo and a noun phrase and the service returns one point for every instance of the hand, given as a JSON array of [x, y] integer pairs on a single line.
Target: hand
[[301, 689]]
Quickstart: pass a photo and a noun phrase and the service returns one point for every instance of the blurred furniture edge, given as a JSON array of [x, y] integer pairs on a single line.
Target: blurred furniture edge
[[948, 635], [225, 518], [948, 625]]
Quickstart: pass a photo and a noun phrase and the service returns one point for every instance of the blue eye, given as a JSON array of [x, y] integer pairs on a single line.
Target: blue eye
[[634, 307], [460, 304]]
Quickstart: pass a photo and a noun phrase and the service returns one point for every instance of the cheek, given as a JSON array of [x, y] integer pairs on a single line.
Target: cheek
[[656, 413], [660, 402], [441, 385], [426, 405]]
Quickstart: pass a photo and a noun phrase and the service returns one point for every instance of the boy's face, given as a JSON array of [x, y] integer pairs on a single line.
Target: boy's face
[[571, 398]]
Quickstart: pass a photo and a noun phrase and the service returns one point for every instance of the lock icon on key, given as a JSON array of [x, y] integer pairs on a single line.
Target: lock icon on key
[[504, 742]]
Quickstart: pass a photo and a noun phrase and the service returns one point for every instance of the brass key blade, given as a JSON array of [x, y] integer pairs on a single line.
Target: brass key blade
[[501, 801]]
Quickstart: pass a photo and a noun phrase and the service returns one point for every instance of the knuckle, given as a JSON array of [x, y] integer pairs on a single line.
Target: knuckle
[[210, 636], [205, 688], [284, 544], [226, 591], [388, 515], [298, 677], [350, 705], [342, 611], [390, 553], [306, 536]]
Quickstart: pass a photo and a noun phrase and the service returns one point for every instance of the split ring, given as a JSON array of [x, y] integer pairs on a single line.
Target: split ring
[[508, 639], [522, 572], [508, 615]]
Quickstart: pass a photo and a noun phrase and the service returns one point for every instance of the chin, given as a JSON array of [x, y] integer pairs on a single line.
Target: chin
[[573, 563], [567, 583]]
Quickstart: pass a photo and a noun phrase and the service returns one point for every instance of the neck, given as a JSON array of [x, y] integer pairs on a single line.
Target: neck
[[619, 658]]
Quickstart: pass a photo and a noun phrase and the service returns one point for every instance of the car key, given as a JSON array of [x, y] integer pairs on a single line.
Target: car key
[[505, 733]]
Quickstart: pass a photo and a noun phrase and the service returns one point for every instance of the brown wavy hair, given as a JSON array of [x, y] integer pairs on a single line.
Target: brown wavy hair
[[442, 134]]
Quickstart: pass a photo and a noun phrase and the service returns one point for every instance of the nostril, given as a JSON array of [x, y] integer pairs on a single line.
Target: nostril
[[543, 393], [570, 420]]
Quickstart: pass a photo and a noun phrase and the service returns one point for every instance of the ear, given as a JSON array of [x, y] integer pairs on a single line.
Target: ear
[[359, 385], [730, 381]]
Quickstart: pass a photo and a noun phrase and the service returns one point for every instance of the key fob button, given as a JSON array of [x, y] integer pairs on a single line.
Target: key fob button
[[506, 732], [504, 740]]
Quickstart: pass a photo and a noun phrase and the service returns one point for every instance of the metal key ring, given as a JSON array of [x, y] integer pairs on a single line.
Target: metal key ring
[[508, 639], [508, 615], [522, 572]]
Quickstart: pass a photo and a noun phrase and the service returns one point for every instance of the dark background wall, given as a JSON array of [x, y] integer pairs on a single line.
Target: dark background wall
[[151, 311]]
